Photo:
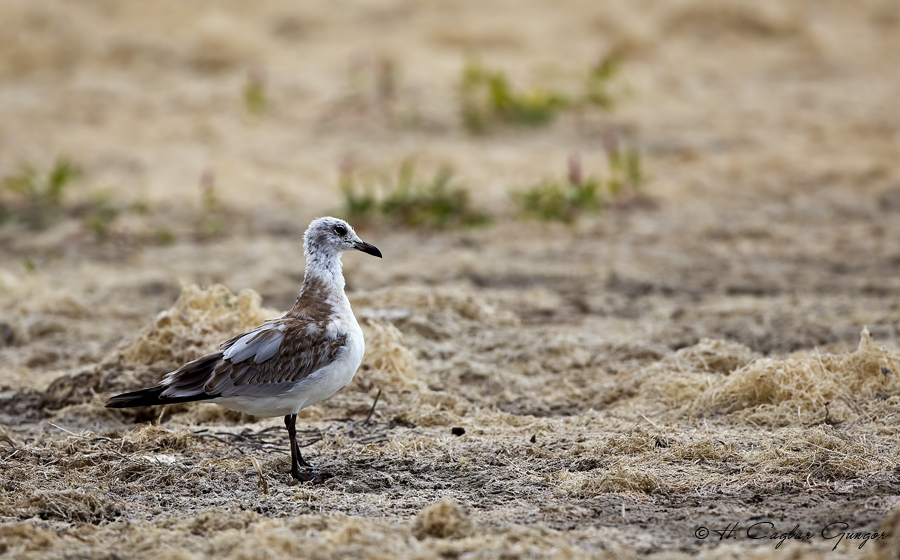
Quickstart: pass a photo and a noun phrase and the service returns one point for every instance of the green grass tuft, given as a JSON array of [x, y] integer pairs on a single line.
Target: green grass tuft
[[165, 236], [488, 99], [599, 88], [558, 200], [256, 101], [213, 217], [36, 197], [566, 200], [406, 199], [101, 212]]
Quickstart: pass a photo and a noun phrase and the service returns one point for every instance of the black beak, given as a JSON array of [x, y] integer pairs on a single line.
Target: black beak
[[368, 248]]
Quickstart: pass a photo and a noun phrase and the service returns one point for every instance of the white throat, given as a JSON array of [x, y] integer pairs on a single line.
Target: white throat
[[325, 266]]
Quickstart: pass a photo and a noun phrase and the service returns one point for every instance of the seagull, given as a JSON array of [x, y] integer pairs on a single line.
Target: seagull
[[285, 364]]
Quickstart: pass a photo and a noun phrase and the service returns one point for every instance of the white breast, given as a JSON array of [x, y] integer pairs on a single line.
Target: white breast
[[330, 379], [311, 390]]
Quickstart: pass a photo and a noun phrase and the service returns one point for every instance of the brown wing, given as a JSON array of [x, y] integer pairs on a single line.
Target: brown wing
[[289, 350], [283, 350]]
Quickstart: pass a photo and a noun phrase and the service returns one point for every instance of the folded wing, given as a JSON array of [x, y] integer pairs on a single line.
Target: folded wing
[[265, 361]]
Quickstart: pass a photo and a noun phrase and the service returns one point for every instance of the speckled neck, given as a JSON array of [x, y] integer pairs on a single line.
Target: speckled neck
[[322, 292], [324, 265]]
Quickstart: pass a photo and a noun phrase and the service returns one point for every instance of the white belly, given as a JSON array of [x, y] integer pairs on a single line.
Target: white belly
[[308, 391]]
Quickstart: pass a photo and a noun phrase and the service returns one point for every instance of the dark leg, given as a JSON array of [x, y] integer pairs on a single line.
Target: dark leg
[[307, 472]]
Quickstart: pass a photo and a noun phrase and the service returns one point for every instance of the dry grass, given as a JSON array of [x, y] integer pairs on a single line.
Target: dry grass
[[724, 459], [95, 478], [445, 519], [195, 325], [800, 389]]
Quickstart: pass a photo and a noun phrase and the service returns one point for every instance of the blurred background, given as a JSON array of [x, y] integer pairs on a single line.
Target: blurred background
[[597, 218], [258, 110], [652, 172]]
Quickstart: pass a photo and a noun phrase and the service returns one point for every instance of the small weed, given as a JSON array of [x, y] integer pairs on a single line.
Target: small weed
[[213, 219], [599, 91], [209, 199], [164, 236], [488, 99], [37, 197], [140, 207], [374, 92], [40, 199], [101, 214], [28, 264], [360, 201], [567, 199], [374, 79], [626, 175], [555, 200], [256, 102], [408, 200]]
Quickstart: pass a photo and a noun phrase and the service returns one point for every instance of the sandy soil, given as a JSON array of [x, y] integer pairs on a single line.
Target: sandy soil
[[725, 352]]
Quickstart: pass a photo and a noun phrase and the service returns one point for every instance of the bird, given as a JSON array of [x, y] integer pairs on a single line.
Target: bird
[[288, 363]]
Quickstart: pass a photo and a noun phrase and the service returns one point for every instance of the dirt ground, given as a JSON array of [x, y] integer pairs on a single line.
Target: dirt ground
[[689, 376]]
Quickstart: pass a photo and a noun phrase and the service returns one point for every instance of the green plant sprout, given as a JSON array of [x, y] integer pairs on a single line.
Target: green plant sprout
[[406, 199], [256, 102], [488, 99], [213, 220], [568, 199], [37, 197], [599, 92], [101, 214]]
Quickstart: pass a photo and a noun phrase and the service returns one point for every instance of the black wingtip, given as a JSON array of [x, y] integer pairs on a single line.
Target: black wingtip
[[144, 397], [151, 397]]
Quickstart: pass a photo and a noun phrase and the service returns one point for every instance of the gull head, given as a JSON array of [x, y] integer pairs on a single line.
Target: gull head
[[333, 236]]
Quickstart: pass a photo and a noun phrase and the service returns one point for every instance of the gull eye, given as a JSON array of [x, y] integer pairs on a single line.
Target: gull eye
[[340, 230]]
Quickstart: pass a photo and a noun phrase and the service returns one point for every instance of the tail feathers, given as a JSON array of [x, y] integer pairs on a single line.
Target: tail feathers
[[152, 396]]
